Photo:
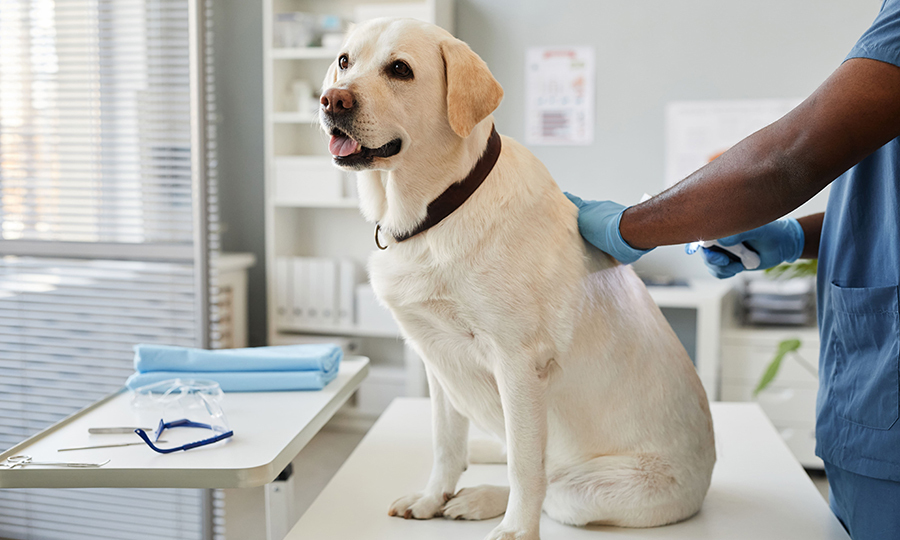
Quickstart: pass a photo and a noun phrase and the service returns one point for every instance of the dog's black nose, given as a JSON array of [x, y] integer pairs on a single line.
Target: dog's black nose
[[337, 100]]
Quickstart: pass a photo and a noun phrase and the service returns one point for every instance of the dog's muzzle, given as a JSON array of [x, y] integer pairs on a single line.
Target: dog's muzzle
[[346, 149], [347, 152], [339, 108]]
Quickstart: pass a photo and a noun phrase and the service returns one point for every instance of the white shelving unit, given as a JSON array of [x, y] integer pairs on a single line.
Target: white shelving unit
[[317, 225], [293, 118], [304, 53], [344, 203]]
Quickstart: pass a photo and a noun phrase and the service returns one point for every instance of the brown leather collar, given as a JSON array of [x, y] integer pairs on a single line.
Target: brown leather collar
[[457, 194]]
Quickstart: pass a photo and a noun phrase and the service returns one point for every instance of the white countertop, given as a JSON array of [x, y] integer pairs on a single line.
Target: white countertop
[[270, 429], [758, 492], [697, 292]]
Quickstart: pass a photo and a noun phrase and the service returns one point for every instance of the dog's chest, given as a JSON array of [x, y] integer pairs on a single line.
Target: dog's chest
[[440, 307], [444, 311]]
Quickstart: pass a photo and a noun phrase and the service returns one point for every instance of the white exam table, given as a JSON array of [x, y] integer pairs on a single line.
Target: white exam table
[[759, 491]]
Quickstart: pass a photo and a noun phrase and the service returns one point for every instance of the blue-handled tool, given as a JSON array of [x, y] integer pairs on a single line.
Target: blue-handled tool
[[748, 257]]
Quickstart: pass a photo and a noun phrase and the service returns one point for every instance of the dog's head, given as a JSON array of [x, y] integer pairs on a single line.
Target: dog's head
[[399, 86]]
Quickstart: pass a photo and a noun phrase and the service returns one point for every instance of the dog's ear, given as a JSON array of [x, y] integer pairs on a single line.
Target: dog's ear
[[472, 92]]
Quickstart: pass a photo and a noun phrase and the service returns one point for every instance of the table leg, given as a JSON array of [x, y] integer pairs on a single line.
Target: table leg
[[708, 346]]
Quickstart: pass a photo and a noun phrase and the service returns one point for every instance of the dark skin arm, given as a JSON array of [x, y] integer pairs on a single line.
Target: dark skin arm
[[812, 232], [775, 170]]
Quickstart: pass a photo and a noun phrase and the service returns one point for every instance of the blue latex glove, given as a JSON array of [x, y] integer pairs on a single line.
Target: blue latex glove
[[598, 222], [777, 242]]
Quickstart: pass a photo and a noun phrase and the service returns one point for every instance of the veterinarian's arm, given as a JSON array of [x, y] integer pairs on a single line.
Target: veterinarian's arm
[[775, 170], [812, 234]]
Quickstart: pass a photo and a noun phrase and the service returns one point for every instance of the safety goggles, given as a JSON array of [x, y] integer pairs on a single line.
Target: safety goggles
[[222, 435], [197, 402]]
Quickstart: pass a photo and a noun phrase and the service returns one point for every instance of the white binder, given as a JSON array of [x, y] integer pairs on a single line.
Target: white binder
[[283, 279], [300, 312], [325, 291], [328, 283], [346, 293]]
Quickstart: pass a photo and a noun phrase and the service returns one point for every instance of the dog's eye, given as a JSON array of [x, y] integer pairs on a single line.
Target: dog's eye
[[401, 70], [343, 61]]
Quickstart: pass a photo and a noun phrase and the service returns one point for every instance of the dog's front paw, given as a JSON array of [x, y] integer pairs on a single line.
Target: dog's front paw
[[475, 503], [507, 532], [418, 506]]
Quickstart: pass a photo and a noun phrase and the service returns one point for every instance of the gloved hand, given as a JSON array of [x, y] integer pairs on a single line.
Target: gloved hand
[[598, 222], [777, 242]]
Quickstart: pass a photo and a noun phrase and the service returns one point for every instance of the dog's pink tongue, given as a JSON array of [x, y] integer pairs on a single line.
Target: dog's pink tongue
[[342, 146]]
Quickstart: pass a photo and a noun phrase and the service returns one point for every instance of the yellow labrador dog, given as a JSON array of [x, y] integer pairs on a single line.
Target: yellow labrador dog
[[524, 328]]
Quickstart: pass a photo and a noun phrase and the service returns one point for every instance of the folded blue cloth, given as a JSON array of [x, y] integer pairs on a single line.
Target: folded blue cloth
[[307, 357], [243, 381], [257, 369]]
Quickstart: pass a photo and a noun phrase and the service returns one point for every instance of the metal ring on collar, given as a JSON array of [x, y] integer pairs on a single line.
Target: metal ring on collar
[[377, 243]]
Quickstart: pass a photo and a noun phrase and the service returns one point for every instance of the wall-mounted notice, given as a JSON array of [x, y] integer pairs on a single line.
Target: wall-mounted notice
[[559, 94], [697, 132]]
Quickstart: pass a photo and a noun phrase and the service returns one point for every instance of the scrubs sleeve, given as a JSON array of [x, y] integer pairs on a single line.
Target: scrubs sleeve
[[882, 40]]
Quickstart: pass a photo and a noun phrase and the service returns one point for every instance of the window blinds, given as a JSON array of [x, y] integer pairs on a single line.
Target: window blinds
[[108, 227], [95, 142]]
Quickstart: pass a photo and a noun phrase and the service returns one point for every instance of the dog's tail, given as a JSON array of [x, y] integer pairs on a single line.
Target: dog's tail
[[625, 491]]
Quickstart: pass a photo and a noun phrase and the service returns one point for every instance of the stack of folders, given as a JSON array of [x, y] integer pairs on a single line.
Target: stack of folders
[[780, 302], [315, 292]]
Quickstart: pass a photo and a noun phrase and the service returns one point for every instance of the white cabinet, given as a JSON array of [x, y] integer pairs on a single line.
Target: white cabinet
[[311, 207], [230, 304], [790, 401]]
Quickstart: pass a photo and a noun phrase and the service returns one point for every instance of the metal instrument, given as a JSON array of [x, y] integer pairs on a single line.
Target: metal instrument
[[14, 462], [139, 443], [747, 257], [108, 430]]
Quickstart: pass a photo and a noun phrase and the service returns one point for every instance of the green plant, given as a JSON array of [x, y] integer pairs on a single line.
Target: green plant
[[802, 268], [806, 267], [784, 348]]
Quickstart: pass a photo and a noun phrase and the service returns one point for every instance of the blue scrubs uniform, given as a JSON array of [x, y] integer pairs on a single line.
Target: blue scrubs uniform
[[858, 407]]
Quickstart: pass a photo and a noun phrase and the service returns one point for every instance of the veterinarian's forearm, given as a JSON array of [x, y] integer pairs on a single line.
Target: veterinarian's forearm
[[750, 185], [812, 233], [775, 170]]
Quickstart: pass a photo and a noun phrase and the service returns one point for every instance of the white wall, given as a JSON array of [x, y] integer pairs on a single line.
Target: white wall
[[650, 52], [239, 97]]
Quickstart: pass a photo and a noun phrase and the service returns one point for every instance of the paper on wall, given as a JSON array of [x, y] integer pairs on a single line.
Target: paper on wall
[[699, 131], [559, 95]]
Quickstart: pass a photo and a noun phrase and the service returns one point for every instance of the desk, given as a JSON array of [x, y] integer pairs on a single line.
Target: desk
[[270, 429], [758, 491]]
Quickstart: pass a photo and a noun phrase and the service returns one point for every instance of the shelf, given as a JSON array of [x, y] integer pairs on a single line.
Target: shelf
[[231, 262], [294, 118], [771, 335], [340, 331], [347, 203], [304, 53]]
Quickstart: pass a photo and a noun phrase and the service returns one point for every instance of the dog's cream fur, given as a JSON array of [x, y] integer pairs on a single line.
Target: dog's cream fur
[[524, 328]]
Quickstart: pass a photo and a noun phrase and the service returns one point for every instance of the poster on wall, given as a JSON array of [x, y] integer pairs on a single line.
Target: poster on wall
[[697, 132], [559, 95]]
